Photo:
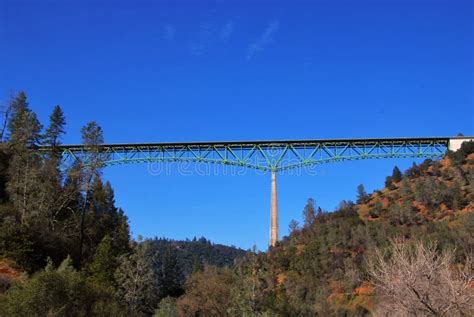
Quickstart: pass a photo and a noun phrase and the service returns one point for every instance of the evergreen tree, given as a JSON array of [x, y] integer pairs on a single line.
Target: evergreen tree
[[455, 192], [197, 265], [170, 276], [55, 130], [293, 226], [104, 264], [167, 308], [24, 127], [24, 185], [309, 213], [92, 137], [396, 174], [362, 196], [247, 293], [389, 183]]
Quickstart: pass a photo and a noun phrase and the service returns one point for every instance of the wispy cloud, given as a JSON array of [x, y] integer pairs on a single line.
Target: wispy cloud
[[169, 32], [203, 37], [265, 38], [227, 30]]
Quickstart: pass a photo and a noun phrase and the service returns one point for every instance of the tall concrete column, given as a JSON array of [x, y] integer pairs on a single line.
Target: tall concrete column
[[273, 212]]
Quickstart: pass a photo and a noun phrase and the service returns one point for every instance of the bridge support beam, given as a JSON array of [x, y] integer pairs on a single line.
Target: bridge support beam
[[273, 212]]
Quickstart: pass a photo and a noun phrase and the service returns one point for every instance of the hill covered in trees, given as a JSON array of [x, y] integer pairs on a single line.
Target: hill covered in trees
[[65, 247], [417, 233]]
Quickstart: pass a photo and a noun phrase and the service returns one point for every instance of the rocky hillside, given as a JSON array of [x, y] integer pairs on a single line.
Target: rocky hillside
[[321, 267]]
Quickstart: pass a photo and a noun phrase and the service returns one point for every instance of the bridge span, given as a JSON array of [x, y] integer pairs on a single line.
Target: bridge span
[[270, 156]]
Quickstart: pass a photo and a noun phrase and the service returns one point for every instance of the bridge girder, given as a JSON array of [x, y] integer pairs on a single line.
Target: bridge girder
[[260, 155]]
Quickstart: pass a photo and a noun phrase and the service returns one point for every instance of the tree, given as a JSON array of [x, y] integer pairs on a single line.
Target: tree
[[415, 280], [104, 264], [456, 197], [309, 214], [55, 130], [406, 191], [413, 171], [208, 293], [57, 292], [293, 226], [362, 196], [92, 138], [197, 264], [6, 111], [53, 198], [24, 186], [247, 294], [137, 280], [23, 126], [167, 308], [170, 276], [396, 175], [389, 183]]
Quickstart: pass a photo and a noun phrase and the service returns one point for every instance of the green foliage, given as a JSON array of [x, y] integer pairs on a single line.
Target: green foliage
[[92, 134], [167, 308], [197, 265], [57, 293], [103, 266], [318, 270], [207, 293], [188, 253], [24, 127], [396, 174], [55, 130], [389, 183], [170, 276], [362, 196], [309, 213], [68, 220], [248, 297]]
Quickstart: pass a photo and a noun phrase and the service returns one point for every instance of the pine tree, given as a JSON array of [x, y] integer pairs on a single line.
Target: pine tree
[[66, 265], [362, 196], [103, 266], [309, 213], [92, 137], [170, 276], [293, 226], [24, 186], [197, 265], [389, 183], [396, 174], [455, 192], [51, 175], [24, 127], [55, 130]]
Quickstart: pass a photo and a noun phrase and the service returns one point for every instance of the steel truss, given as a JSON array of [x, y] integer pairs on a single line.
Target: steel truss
[[261, 155]]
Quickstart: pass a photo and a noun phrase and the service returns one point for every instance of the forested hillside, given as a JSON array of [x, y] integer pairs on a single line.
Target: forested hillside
[[65, 248], [192, 255], [329, 265]]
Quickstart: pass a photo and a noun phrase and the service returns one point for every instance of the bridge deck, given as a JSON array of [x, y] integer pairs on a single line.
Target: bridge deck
[[267, 155], [266, 142]]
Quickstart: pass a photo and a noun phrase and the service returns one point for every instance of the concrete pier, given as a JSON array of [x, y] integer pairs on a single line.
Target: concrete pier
[[273, 212]]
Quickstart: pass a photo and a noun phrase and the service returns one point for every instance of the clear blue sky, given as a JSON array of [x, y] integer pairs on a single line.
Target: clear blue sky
[[152, 71]]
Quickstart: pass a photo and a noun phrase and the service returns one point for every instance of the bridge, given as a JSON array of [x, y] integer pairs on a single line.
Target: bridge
[[269, 156]]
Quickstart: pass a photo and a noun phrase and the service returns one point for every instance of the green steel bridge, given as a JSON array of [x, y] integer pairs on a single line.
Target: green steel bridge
[[271, 156]]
